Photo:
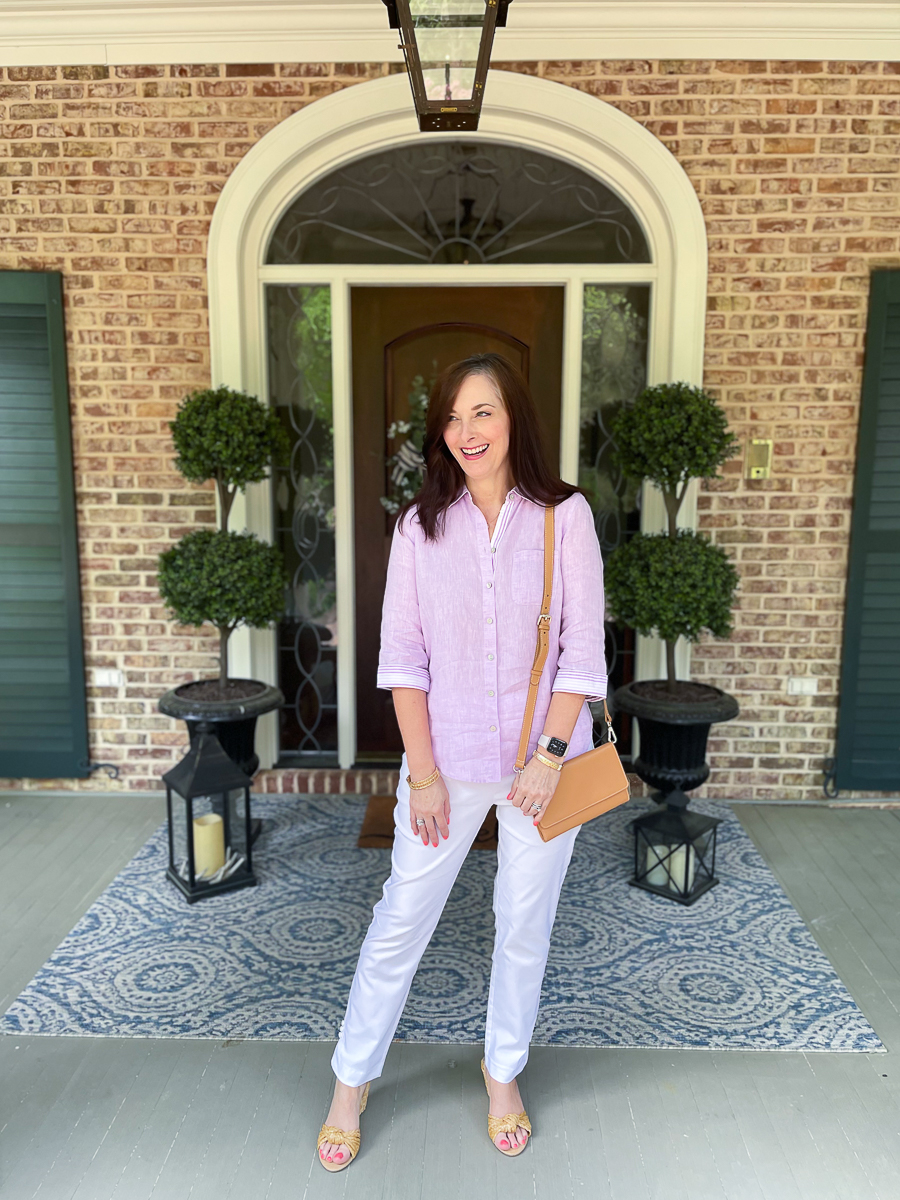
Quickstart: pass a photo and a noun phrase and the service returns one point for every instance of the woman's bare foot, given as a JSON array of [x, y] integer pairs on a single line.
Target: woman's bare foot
[[505, 1098], [344, 1113]]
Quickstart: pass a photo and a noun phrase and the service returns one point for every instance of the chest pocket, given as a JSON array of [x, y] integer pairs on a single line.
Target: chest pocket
[[528, 577]]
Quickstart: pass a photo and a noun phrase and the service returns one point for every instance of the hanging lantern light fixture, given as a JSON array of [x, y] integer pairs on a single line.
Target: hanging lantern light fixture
[[447, 47]]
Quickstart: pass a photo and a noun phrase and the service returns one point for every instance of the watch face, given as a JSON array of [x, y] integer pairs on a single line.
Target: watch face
[[557, 746]]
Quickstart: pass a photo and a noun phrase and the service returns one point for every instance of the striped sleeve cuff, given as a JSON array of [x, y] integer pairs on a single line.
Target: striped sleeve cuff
[[592, 687], [412, 677]]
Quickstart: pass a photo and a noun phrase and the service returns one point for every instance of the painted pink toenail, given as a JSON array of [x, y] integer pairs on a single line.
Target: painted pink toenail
[[338, 1157], [505, 1144]]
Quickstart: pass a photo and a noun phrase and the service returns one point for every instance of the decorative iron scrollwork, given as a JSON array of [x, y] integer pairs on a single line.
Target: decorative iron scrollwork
[[300, 386], [458, 202]]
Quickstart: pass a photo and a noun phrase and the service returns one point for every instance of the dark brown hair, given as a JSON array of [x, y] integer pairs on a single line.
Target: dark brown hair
[[528, 459]]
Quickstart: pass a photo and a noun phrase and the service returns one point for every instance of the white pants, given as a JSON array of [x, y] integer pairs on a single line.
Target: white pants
[[529, 877]]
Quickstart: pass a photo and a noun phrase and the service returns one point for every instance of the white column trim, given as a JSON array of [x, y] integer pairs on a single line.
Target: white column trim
[[570, 391], [520, 110], [345, 546]]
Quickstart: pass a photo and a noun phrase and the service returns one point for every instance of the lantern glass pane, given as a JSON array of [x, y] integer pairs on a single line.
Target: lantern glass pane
[[448, 37], [703, 850], [203, 811], [236, 847], [448, 58], [655, 856], [220, 837]]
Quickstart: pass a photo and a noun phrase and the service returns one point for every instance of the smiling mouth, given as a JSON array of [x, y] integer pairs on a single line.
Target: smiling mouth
[[477, 453]]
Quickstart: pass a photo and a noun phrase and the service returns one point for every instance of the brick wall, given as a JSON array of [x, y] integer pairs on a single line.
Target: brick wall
[[110, 175]]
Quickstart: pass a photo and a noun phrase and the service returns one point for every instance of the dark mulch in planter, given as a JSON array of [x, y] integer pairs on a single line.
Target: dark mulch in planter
[[685, 692], [212, 689]]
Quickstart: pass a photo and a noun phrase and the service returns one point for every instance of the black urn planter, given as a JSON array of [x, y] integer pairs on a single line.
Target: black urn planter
[[674, 733], [234, 720]]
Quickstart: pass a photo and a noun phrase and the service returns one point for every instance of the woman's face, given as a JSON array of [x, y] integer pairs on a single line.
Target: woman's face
[[477, 430]]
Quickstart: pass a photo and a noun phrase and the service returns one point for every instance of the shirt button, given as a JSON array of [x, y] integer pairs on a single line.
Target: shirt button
[[491, 692], [493, 549], [490, 656], [493, 729], [490, 585], [490, 620]]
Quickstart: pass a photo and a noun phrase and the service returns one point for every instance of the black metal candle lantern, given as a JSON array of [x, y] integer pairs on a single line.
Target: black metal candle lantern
[[675, 852], [209, 851], [447, 47]]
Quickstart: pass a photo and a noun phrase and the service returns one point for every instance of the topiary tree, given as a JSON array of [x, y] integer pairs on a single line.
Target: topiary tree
[[226, 579], [676, 583]]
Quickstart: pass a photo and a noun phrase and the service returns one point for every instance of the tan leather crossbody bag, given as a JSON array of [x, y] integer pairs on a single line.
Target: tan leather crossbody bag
[[591, 783]]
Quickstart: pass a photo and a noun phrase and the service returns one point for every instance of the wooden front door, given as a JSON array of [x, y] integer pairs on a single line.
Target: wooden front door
[[402, 338]]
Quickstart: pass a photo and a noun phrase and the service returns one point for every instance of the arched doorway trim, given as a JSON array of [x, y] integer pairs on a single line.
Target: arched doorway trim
[[362, 119]]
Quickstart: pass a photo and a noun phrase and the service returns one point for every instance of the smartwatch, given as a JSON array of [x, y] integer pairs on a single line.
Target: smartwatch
[[554, 745]]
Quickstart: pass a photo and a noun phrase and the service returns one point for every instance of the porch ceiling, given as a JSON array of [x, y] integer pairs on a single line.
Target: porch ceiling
[[70, 32]]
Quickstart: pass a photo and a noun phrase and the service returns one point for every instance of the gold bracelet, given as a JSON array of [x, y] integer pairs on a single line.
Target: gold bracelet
[[546, 761], [423, 783]]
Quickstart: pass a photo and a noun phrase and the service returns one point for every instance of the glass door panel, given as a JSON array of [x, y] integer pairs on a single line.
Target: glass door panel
[[613, 373], [299, 350]]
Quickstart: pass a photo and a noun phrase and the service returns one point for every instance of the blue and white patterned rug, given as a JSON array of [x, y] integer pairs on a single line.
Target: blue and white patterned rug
[[738, 970]]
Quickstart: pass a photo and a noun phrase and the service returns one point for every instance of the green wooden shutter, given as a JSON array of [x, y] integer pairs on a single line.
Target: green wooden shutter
[[868, 742], [43, 719]]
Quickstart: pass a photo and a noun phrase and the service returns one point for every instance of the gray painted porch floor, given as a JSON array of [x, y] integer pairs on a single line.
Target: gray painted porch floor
[[94, 1119]]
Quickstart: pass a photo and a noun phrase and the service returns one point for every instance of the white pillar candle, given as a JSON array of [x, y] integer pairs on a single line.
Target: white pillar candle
[[656, 871], [209, 844], [681, 856]]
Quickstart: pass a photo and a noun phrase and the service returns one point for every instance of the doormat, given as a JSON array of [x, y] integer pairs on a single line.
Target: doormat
[[377, 831], [736, 971]]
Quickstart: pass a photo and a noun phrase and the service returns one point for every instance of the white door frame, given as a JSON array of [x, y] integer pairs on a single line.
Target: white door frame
[[363, 119]]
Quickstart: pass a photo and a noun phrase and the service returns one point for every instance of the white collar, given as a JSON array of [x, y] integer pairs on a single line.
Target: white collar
[[513, 491]]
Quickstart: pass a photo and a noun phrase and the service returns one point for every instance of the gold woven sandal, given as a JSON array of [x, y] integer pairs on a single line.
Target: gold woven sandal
[[507, 1124], [342, 1137]]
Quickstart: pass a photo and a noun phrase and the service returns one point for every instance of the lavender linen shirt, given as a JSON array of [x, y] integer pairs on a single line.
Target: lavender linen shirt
[[460, 623]]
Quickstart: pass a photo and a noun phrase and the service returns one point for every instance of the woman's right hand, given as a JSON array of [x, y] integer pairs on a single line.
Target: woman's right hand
[[431, 805]]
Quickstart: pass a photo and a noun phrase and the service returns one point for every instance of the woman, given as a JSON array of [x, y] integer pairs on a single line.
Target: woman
[[463, 594]]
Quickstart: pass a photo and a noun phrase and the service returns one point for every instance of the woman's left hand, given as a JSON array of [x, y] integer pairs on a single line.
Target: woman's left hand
[[535, 785]]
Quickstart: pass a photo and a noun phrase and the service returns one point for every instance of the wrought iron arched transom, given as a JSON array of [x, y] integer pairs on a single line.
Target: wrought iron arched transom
[[456, 202]]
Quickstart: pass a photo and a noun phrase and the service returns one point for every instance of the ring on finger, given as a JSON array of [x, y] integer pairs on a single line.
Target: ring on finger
[[535, 807], [420, 822]]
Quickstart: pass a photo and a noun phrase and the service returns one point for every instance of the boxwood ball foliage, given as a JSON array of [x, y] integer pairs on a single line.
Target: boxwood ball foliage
[[672, 433], [227, 436], [678, 587], [226, 579]]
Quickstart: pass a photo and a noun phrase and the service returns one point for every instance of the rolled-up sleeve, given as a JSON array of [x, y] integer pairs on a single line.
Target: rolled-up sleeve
[[582, 657], [402, 658]]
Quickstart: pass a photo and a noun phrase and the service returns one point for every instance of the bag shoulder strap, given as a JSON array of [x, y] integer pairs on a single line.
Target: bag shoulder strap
[[543, 646], [543, 641]]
